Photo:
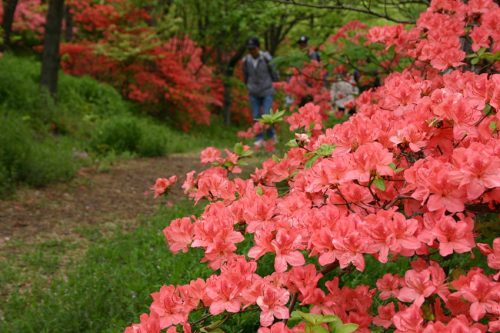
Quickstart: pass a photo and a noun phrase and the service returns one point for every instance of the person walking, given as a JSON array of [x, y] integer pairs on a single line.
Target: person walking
[[313, 54], [343, 93], [259, 76]]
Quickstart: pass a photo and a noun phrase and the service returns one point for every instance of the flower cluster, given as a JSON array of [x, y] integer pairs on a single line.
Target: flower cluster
[[440, 33], [115, 43], [162, 185], [409, 180], [29, 19]]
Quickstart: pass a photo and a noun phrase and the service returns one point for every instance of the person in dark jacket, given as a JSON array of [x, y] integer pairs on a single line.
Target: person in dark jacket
[[259, 75]]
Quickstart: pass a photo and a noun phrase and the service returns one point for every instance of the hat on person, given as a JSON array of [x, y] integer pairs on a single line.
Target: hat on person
[[303, 40], [252, 43]]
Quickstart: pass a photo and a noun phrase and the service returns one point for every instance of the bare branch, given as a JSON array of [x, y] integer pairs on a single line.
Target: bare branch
[[366, 7]]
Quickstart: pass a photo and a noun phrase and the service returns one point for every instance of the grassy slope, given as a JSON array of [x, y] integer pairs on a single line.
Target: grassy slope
[[47, 139], [109, 288]]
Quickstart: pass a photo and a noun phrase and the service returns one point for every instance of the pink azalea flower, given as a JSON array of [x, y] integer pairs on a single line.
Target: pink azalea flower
[[170, 307], [149, 324], [272, 303], [210, 155], [417, 287], [179, 234], [494, 256], [308, 117], [389, 286], [409, 320], [276, 328], [224, 295], [369, 159], [286, 245], [385, 315], [162, 184]]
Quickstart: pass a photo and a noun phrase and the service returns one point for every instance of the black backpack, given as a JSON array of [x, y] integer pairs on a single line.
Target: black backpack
[[272, 72]]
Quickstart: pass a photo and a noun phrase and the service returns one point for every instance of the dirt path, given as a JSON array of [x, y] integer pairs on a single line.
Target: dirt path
[[91, 198]]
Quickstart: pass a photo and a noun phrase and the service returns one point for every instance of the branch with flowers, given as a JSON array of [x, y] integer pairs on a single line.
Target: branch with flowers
[[379, 228]]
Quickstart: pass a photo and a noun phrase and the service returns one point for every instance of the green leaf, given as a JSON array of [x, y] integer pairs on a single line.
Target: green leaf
[[379, 183], [474, 61], [319, 329], [259, 190], [346, 328], [311, 161], [493, 126], [292, 143], [209, 330], [325, 150], [487, 109], [272, 118], [308, 317], [238, 149], [296, 315], [395, 168], [330, 319], [276, 158], [428, 314], [247, 153]]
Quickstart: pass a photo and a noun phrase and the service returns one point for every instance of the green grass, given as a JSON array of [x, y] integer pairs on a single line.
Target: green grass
[[109, 287], [107, 290]]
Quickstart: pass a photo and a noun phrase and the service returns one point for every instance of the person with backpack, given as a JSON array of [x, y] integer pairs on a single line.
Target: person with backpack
[[259, 75]]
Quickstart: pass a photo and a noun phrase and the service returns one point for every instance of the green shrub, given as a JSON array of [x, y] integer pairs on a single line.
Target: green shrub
[[18, 88], [26, 160], [127, 133], [153, 141], [47, 164], [89, 96], [117, 133], [15, 147], [6, 185]]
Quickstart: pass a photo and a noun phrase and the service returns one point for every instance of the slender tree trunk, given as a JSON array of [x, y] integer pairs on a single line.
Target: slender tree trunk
[[51, 42], [228, 75], [68, 20], [228, 98], [9, 9]]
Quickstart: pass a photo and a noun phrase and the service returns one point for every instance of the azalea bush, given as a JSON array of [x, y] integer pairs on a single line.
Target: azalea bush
[[29, 21], [116, 43], [377, 224]]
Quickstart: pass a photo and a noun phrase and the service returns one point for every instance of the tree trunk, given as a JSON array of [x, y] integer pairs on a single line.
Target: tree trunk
[[9, 9], [228, 97], [68, 20], [51, 41], [228, 75]]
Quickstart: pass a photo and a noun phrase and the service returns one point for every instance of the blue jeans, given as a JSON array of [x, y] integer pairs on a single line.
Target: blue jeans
[[261, 105]]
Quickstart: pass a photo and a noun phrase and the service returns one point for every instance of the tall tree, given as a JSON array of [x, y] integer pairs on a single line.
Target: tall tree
[[9, 9], [68, 24], [51, 42]]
